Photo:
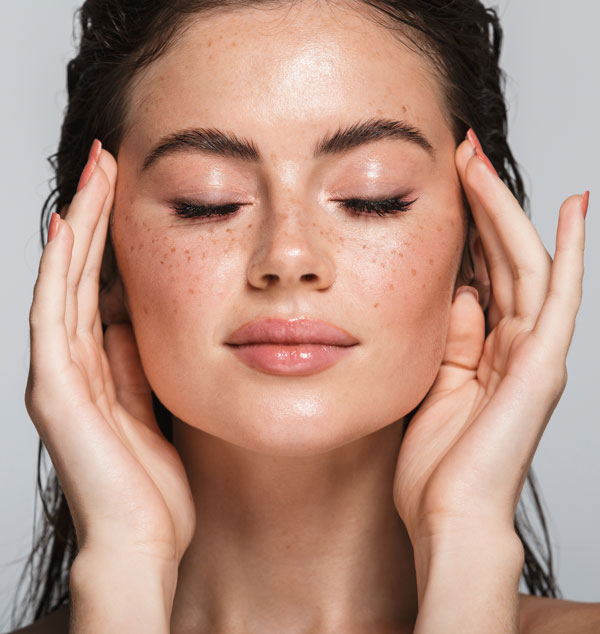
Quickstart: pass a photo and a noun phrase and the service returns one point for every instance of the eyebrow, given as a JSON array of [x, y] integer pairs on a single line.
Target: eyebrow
[[228, 145]]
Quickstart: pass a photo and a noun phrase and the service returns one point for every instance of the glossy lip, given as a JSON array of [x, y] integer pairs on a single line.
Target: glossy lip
[[298, 330], [290, 359]]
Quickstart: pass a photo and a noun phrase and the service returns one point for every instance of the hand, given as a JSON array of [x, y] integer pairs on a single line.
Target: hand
[[466, 452], [90, 401]]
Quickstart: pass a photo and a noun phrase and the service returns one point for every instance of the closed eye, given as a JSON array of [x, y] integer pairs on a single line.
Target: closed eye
[[357, 206]]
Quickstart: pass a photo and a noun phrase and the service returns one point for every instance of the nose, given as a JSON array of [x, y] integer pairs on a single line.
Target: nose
[[291, 253]]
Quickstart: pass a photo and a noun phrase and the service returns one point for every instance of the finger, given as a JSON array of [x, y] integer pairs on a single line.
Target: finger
[[499, 269], [528, 259], [556, 321], [83, 215], [133, 391], [88, 289], [464, 342], [97, 330], [49, 345]]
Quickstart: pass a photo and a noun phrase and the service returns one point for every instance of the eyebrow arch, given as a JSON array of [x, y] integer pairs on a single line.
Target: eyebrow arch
[[228, 145]]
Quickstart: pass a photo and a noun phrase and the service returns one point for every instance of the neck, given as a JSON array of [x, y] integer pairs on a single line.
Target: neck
[[295, 544]]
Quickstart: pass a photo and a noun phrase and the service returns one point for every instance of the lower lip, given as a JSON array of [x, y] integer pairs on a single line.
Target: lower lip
[[296, 359]]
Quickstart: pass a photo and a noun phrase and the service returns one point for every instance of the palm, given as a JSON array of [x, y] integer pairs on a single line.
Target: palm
[[466, 452], [144, 483], [438, 462], [89, 399]]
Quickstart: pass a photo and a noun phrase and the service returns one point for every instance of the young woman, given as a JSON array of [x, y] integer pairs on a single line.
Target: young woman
[[294, 341]]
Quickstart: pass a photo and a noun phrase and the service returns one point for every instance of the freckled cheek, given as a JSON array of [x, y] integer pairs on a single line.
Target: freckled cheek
[[413, 297], [165, 277]]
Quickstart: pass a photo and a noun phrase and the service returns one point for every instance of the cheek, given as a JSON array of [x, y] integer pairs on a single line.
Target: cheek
[[166, 277], [411, 287]]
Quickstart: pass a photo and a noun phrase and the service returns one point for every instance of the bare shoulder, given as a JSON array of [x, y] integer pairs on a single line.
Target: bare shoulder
[[546, 615], [55, 623]]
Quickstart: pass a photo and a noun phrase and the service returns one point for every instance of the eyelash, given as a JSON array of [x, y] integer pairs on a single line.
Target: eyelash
[[387, 207]]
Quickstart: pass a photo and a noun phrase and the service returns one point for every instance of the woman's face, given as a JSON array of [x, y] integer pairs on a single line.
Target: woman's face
[[285, 79]]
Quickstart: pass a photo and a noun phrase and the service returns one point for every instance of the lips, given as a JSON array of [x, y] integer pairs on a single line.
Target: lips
[[291, 331]]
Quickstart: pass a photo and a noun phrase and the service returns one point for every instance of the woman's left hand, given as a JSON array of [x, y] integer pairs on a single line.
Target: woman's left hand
[[465, 455]]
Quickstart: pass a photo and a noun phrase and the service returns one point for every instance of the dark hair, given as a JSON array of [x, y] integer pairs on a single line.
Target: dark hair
[[117, 39]]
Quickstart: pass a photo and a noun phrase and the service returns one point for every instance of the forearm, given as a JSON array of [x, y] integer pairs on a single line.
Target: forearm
[[469, 585], [113, 595]]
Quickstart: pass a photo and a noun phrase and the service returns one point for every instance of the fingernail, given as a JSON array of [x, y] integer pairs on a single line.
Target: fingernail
[[479, 150], [585, 201], [53, 226], [93, 157], [467, 289]]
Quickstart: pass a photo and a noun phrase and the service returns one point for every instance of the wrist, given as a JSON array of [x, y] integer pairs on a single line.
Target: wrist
[[112, 593], [469, 582]]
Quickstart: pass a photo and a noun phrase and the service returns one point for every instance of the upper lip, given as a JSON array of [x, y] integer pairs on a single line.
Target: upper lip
[[291, 331]]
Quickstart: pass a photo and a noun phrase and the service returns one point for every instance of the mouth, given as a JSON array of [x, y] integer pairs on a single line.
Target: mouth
[[292, 359], [294, 332]]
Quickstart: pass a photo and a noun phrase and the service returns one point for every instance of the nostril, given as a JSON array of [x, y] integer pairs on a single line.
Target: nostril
[[309, 276]]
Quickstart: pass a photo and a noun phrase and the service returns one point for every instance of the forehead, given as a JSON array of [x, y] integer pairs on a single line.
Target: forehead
[[293, 68]]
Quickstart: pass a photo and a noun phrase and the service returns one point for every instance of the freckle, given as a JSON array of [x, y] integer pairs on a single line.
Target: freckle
[[249, 226], [148, 229], [191, 291], [187, 251], [228, 230], [421, 227], [189, 258], [165, 255], [153, 240], [402, 255], [364, 246], [376, 305], [430, 260], [314, 224], [383, 265], [209, 43], [161, 262], [341, 240], [439, 229], [173, 249], [203, 254], [391, 287], [131, 248], [422, 285], [170, 266], [145, 311], [413, 271], [403, 108]]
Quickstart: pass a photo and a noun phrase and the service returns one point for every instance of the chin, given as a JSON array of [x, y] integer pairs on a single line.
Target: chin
[[300, 426]]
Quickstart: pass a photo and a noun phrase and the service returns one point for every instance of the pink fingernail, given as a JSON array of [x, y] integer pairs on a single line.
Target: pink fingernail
[[585, 201], [479, 150], [93, 157], [467, 289], [53, 226]]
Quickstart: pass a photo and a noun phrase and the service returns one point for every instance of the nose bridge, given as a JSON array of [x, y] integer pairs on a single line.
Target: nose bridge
[[292, 248]]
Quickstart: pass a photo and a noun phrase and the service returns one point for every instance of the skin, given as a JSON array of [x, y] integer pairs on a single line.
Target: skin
[[388, 281], [279, 470]]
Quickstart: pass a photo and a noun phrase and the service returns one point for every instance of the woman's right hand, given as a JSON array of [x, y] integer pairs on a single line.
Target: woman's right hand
[[89, 399]]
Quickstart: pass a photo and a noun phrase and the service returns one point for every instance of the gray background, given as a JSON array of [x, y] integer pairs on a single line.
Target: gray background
[[551, 56]]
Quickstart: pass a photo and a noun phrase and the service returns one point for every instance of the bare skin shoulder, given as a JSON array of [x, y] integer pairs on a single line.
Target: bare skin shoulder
[[546, 615], [55, 623]]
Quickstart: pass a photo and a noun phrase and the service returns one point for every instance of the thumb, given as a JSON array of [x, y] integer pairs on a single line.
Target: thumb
[[131, 385], [464, 342]]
